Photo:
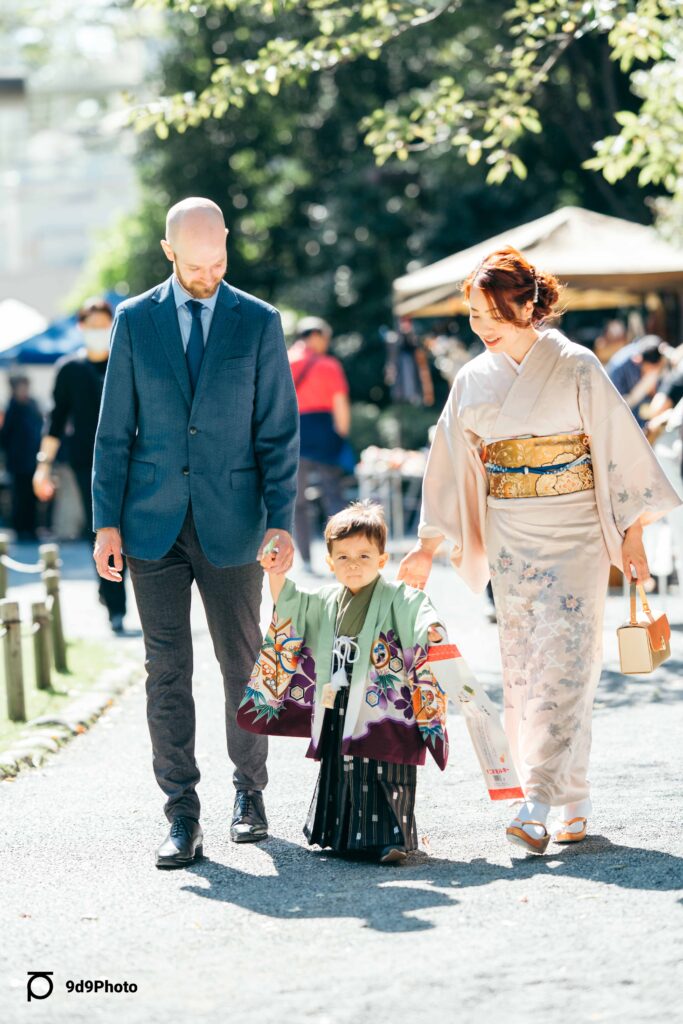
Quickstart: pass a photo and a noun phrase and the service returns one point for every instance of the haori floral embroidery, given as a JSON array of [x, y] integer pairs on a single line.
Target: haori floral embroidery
[[380, 653], [386, 673], [570, 603], [286, 650], [285, 670], [302, 686], [379, 696], [429, 706]]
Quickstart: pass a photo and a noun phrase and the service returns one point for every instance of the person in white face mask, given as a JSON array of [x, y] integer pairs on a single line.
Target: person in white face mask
[[73, 423]]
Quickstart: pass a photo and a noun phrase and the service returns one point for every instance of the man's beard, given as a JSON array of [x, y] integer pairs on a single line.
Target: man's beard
[[199, 292]]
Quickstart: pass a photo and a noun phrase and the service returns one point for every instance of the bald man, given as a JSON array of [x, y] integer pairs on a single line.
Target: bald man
[[195, 472]]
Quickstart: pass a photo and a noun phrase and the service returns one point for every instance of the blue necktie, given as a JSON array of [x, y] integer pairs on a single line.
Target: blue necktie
[[195, 344]]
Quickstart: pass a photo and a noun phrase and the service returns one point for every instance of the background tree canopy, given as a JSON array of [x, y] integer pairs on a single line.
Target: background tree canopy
[[346, 142]]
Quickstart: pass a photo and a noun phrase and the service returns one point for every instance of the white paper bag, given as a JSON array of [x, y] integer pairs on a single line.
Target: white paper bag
[[482, 719]]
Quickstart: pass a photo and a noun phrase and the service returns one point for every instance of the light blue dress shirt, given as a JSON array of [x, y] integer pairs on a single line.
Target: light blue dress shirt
[[184, 315]]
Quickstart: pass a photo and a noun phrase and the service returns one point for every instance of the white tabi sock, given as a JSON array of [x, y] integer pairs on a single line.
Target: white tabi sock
[[532, 810], [579, 809]]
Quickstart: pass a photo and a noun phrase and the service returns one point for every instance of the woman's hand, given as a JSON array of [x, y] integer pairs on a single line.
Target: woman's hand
[[43, 484], [633, 555], [417, 564]]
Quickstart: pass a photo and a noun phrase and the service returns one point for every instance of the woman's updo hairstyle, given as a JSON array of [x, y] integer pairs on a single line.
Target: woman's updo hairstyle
[[506, 277]]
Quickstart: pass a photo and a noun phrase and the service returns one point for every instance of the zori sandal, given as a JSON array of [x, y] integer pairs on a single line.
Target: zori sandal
[[518, 836], [572, 831]]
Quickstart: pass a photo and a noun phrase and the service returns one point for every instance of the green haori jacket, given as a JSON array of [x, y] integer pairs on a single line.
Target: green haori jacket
[[396, 709]]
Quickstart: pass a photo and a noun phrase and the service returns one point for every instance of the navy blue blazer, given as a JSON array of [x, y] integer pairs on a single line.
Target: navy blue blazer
[[232, 449]]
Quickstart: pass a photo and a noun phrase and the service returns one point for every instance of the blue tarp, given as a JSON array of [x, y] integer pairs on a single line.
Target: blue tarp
[[60, 339]]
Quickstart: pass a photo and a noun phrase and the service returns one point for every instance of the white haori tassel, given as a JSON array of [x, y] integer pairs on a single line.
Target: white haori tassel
[[345, 651]]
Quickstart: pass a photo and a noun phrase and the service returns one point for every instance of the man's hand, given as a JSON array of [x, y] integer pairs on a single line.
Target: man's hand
[[107, 543], [283, 552]]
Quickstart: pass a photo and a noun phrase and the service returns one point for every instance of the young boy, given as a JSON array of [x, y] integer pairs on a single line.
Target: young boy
[[347, 666]]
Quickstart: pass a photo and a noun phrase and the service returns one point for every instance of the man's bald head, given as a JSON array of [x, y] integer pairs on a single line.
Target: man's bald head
[[195, 244], [193, 215]]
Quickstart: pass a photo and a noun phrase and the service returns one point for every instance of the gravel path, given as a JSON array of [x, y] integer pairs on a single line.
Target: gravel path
[[277, 932]]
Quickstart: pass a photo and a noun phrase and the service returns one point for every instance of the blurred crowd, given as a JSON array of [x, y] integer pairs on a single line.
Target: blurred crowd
[[45, 452]]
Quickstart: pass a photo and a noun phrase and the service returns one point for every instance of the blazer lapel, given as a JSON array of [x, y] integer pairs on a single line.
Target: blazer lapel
[[165, 317], [224, 323]]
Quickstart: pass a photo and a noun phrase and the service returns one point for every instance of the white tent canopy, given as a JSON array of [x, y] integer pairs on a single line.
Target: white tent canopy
[[18, 322], [603, 261]]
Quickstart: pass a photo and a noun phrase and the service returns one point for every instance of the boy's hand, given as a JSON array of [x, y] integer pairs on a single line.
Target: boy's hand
[[435, 634]]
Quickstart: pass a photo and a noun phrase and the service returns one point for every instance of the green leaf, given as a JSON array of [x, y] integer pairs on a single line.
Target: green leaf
[[473, 154], [519, 167]]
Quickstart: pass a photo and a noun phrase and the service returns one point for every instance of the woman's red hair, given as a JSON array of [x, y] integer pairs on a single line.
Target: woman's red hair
[[508, 280]]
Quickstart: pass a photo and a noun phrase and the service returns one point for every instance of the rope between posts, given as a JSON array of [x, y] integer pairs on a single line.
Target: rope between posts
[[22, 566]]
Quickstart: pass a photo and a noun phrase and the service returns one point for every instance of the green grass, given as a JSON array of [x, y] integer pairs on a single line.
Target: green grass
[[86, 660]]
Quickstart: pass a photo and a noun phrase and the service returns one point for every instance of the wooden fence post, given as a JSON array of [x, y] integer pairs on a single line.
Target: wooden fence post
[[49, 555], [14, 668], [42, 648], [51, 579], [4, 546]]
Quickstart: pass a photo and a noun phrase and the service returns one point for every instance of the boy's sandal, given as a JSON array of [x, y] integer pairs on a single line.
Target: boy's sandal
[[565, 834], [392, 855], [519, 837]]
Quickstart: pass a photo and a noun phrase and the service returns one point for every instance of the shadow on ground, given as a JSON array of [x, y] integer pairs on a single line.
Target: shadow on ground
[[663, 686], [315, 885]]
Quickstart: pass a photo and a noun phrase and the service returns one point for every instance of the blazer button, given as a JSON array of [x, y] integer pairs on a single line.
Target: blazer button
[[193, 431], [186, 470]]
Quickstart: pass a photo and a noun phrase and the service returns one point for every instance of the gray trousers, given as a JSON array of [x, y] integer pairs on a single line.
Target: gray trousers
[[232, 601], [328, 479]]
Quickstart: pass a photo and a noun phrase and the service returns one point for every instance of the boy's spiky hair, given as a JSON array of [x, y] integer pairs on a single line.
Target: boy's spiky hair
[[360, 518]]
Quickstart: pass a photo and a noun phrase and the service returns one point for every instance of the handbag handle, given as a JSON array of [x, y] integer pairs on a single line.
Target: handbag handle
[[643, 599]]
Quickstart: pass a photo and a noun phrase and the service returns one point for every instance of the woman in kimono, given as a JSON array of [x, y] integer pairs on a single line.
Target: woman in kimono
[[347, 666], [540, 477]]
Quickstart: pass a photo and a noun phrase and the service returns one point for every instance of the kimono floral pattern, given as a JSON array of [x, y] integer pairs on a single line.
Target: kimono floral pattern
[[550, 625], [419, 700], [633, 480], [283, 678], [629, 501]]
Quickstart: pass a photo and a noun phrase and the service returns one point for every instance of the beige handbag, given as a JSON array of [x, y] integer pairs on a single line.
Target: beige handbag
[[646, 644]]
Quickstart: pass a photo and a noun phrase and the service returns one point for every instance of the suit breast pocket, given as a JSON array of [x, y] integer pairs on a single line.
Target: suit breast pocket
[[238, 370], [141, 472]]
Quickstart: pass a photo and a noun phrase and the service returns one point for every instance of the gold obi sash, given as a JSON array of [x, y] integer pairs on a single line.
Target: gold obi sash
[[539, 467]]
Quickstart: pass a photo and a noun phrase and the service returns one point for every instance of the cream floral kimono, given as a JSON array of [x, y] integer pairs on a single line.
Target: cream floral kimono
[[547, 557]]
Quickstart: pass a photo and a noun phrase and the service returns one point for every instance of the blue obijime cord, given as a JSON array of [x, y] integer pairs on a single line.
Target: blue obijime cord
[[493, 467]]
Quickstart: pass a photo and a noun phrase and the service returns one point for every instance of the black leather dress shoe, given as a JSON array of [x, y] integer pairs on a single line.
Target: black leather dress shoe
[[249, 822], [183, 844]]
